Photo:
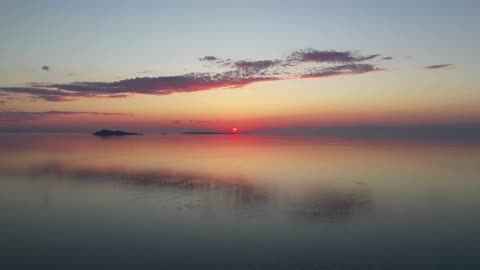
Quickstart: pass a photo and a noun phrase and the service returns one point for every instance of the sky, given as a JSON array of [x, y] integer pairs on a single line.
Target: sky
[[260, 66]]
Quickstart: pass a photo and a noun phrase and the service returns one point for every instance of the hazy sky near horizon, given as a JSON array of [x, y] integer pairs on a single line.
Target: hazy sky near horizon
[[256, 65]]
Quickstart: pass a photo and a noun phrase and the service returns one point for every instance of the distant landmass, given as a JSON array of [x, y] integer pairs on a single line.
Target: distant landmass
[[209, 133], [113, 133]]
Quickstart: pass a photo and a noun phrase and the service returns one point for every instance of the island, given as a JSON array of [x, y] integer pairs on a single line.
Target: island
[[105, 133]]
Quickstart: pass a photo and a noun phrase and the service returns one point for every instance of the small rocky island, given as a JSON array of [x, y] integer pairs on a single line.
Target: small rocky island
[[105, 133]]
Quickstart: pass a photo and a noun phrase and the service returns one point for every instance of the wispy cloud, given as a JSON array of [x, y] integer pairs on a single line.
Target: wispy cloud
[[8, 116], [210, 58], [349, 69], [306, 63], [255, 66], [312, 55], [39, 92], [442, 66]]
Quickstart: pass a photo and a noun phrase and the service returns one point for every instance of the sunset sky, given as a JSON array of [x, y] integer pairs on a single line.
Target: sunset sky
[[261, 66]]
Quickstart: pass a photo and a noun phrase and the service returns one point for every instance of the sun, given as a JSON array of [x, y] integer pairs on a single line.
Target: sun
[[234, 129]]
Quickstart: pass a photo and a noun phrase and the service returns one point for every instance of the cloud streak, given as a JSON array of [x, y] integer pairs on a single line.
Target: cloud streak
[[442, 66], [306, 63], [349, 69], [14, 116], [312, 55]]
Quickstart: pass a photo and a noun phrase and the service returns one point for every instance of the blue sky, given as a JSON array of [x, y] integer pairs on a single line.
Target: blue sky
[[120, 38]]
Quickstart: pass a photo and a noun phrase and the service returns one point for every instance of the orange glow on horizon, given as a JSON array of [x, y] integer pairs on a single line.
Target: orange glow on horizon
[[234, 130]]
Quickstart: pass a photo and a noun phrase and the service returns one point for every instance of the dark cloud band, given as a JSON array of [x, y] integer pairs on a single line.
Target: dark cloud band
[[307, 63], [438, 66], [9, 116]]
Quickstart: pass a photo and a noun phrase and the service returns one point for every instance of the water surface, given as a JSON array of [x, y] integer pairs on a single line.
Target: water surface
[[238, 202]]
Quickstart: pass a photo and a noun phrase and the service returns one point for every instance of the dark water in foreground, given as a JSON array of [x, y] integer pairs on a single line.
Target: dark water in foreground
[[237, 202]]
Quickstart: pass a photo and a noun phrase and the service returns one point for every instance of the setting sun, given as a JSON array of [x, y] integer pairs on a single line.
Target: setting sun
[[234, 129]]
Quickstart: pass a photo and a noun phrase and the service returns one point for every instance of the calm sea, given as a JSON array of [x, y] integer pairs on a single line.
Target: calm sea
[[238, 202]]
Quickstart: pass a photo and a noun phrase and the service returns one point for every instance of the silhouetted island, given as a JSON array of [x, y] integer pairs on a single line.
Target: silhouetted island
[[113, 133]]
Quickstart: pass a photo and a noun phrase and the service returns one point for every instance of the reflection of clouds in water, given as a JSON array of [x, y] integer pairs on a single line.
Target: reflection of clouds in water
[[331, 204], [233, 191], [239, 195], [168, 178]]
